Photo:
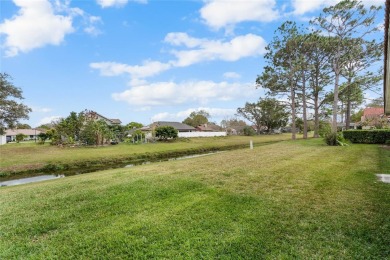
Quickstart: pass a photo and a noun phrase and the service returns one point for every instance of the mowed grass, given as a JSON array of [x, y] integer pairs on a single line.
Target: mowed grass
[[30, 155], [297, 199]]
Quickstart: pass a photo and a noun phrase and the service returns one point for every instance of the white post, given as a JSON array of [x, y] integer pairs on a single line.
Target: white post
[[251, 144]]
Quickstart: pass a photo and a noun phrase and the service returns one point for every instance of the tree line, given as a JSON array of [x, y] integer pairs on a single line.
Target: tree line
[[325, 68]]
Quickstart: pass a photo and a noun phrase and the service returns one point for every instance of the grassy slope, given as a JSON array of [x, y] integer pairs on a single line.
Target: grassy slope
[[31, 155], [283, 200]]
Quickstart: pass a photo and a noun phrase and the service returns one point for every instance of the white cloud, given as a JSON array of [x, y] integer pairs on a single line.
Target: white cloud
[[40, 109], [181, 115], [231, 75], [34, 26], [204, 50], [91, 25], [195, 50], [118, 3], [304, 6], [226, 13], [147, 69], [171, 93], [48, 120]]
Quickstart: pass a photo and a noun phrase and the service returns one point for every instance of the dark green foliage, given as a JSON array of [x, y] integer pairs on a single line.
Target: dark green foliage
[[324, 128], [133, 125], [165, 132], [42, 137], [197, 118], [249, 131], [368, 136], [20, 137], [267, 112], [334, 139], [10, 110]]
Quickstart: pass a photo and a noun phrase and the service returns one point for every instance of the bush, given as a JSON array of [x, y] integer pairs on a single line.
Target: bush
[[325, 128], [249, 131], [377, 136], [20, 137], [334, 139], [165, 132]]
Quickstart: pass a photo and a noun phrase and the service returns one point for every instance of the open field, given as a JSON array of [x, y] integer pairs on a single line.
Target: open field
[[284, 200], [18, 157]]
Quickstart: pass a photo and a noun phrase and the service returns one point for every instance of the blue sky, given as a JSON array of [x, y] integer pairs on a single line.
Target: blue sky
[[142, 60]]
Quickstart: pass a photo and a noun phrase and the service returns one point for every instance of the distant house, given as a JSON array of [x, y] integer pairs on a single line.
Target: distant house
[[31, 134], [373, 116], [96, 116], [179, 126], [208, 127], [343, 126]]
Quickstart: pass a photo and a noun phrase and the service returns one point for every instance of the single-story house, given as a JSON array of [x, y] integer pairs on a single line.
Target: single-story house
[[343, 126], [208, 127], [373, 116], [179, 126], [96, 116], [31, 134]]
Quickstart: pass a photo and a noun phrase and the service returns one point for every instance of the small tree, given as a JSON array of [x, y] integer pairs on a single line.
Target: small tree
[[20, 137], [10, 110], [165, 132], [197, 118], [42, 138]]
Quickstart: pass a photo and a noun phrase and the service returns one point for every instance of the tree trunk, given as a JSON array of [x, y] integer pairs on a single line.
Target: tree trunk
[[335, 100], [304, 105], [316, 117], [348, 112], [293, 132]]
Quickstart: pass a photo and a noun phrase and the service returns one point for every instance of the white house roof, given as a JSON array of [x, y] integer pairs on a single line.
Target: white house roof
[[12, 132]]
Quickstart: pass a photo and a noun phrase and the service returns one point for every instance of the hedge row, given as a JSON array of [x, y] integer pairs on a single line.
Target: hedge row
[[379, 136]]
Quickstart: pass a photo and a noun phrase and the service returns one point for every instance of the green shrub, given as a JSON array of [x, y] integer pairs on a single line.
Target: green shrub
[[20, 137], [377, 136], [249, 131], [335, 139], [165, 132]]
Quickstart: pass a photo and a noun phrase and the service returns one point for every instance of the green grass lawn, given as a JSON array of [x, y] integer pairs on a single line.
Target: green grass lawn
[[284, 200], [30, 155]]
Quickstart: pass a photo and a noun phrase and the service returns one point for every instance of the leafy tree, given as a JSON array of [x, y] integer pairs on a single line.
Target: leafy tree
[[378, 102], [133, 125], [165, 132], [249, 131], [119, 132], [347, 20], [68, 129], [23, 126], [20, 137], [42, 137], [280, 75], [95, 132], [10, 110], [197, 118], [357, 117], [266, 112]]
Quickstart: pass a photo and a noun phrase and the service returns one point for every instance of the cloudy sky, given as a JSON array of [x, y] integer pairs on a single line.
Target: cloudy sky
[[142, 60]]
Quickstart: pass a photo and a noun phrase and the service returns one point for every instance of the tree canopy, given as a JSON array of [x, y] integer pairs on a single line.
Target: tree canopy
[[268, 113], [197, 118], [11, 111]]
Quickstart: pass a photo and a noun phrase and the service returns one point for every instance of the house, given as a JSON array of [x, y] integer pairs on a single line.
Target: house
[[179, 126], [343, 126], [373, 116], [89, 114], [386, 81], [31, 134], [208, 127]]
